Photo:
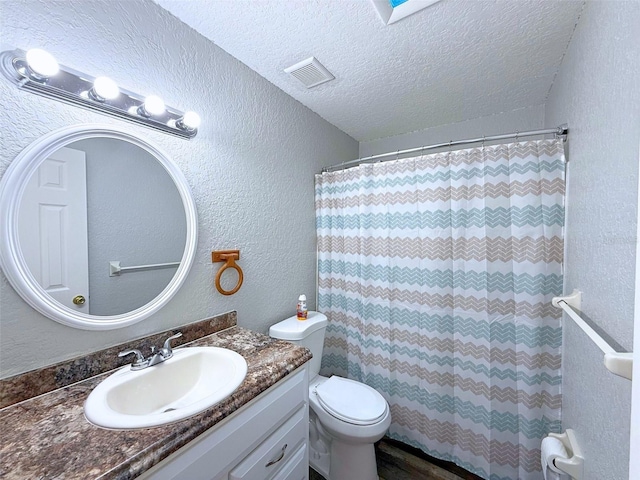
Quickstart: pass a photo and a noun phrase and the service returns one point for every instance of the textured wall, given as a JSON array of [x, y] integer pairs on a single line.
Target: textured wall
[[530, 118], [250, 168], [597, 91]]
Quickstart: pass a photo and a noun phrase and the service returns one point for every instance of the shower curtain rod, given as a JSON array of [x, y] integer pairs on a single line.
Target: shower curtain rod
[[560, 131]]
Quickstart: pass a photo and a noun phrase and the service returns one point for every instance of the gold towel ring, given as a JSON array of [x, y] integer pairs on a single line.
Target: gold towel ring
[[229, 257]]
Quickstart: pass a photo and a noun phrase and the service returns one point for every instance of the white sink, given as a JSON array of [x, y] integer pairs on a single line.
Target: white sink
[[191, 381]]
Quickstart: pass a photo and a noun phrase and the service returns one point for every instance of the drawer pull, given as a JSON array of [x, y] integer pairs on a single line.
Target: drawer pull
[[273, 462]]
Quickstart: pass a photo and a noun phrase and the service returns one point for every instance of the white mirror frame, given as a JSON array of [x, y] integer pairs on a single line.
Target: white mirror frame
[[13, 262]]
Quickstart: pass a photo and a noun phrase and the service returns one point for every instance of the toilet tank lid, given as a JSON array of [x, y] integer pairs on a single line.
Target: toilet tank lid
[[294, 329]]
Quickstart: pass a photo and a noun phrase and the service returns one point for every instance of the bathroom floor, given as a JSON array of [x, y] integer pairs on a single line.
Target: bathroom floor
[[397, 461]]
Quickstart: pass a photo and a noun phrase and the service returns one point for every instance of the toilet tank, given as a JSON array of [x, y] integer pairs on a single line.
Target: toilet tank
[[307, 333]]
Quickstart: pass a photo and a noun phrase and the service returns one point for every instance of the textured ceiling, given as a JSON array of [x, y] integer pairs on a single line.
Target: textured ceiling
[[453, 61]]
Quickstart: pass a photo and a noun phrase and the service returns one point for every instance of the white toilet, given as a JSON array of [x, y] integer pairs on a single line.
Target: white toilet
[[346, 417]]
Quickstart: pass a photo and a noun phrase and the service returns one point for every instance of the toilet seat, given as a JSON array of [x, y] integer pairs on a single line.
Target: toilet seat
[[350, 401]]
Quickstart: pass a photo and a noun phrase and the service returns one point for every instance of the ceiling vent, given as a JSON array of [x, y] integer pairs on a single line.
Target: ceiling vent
[[310, 72]]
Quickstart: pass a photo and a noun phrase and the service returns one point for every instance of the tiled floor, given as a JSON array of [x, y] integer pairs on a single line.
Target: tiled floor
[[397, 461]]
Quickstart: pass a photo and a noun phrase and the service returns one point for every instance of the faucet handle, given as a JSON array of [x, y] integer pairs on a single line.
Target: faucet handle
[[167, 351], [139, 357]]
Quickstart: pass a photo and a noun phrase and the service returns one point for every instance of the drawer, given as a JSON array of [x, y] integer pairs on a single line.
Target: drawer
[[275, 451], [297, 468]]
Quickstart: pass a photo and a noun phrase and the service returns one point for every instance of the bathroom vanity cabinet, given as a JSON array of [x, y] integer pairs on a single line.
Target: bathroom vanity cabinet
[[265, 439], [234, 439]]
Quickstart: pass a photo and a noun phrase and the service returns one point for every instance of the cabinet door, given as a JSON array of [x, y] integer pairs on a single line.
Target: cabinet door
[[275, 451]]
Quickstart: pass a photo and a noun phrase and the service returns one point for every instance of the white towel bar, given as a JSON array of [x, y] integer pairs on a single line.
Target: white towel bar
[[115, 269], [618, 363]]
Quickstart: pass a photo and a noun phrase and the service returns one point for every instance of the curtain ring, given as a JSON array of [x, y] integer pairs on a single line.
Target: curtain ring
[[365, 160], [517, 133], [483, 139], [397, 154]]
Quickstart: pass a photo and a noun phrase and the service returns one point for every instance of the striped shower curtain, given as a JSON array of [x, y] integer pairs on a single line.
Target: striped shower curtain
[[436, 274]]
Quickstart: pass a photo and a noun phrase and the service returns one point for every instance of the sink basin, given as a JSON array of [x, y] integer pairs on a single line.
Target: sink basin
[[191, 381]]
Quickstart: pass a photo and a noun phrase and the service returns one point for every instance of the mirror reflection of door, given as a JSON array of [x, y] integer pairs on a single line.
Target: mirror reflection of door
[[53, 227], [95, 201], [132, 205]]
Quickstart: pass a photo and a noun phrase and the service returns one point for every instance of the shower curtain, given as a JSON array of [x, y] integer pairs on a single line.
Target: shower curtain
[[436, 274]]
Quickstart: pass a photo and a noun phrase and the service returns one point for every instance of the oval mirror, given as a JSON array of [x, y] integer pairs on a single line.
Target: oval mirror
[[99, 228]]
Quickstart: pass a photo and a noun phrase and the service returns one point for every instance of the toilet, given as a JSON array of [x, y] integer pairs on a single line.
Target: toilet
[[345, 417]]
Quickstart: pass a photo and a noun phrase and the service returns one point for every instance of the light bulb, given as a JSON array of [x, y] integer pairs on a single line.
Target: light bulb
[[42, 64], [104, 89], [153, 105], [189, 121]]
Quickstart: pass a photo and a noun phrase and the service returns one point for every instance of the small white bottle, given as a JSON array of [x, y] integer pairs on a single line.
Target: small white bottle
[[302, 307]]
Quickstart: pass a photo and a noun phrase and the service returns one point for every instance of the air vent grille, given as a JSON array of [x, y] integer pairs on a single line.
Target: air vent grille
[[310, 72]]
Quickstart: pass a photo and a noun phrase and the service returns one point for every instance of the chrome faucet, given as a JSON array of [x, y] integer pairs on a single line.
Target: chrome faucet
[[156, 357]]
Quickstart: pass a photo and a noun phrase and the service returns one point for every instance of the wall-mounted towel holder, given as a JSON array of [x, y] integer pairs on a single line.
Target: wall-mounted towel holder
[[574, 465], [618, 363], [229, 257]]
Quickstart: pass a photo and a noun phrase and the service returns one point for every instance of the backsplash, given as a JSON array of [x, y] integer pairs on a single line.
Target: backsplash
[[36, 382]]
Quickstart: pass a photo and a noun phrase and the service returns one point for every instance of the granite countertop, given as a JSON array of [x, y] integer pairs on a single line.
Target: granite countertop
[[48, 437]]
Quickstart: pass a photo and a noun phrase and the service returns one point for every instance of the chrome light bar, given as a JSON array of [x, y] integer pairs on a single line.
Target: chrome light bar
[[76, 88]]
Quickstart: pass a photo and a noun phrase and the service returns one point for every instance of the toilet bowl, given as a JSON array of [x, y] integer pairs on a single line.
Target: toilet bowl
[[349, 421], [345, 417]]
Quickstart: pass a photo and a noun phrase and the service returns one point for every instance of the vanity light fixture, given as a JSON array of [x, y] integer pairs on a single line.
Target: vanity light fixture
[[153, 106], [190, 121], [40, 65], [104, 89], [37, 71]]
